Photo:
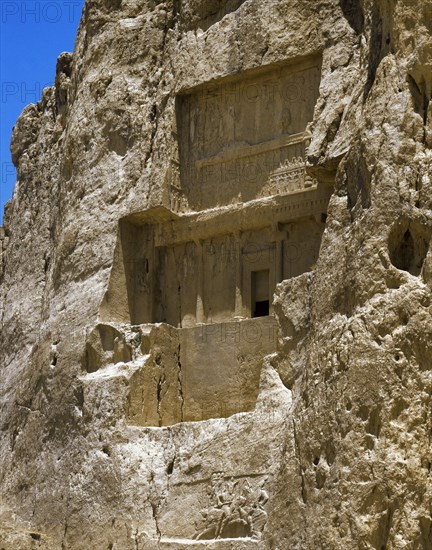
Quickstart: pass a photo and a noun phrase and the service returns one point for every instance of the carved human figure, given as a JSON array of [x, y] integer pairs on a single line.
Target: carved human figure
[[258, 516], [263, 496], [245, 502], [216, 486], [227, 501], [236, 506], [210, 524]]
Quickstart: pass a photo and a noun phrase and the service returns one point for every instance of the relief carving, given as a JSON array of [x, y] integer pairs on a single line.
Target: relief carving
[[177, 200], [236, 134], [290, 177], [236, 509]]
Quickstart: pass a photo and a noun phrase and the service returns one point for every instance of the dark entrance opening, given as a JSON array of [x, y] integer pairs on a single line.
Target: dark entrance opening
[[262, 309], [260, 293]]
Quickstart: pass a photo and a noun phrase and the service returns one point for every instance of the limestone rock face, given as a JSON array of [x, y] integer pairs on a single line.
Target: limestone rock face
[[215, 282]]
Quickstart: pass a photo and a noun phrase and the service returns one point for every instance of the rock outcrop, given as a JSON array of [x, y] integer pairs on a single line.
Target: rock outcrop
[[215, 282]]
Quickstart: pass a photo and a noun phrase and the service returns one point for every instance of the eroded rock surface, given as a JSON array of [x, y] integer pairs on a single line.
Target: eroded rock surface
[[215, 282]]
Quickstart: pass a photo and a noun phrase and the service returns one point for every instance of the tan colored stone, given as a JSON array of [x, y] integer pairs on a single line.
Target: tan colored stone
[[125, 240]]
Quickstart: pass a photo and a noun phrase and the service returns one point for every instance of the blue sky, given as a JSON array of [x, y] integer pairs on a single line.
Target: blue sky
[[32, 35]]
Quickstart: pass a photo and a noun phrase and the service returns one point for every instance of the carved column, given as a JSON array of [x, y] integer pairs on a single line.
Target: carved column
[[239, 276], [279, 261], [200, 315], [280, 236]]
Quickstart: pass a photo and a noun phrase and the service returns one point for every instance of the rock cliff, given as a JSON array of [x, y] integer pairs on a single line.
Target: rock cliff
[[307, 427]]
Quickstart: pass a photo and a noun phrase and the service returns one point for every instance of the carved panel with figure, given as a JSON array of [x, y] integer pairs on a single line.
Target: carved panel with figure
[[246, 133], [236, 508]]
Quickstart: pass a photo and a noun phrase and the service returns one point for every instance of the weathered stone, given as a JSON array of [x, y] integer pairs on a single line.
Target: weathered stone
[[215, 282]]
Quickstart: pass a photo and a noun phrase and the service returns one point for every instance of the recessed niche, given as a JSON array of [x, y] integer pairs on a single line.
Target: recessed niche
[[243, 213], [244, 137], [187, 270], [105, 345], [409, 245], [421, 93]]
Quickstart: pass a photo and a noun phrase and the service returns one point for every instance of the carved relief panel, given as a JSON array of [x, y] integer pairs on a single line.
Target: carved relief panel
[[235, 508], [218, 508], [242, 136]]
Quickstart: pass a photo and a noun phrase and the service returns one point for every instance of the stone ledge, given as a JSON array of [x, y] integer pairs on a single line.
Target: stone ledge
[[214, 544]]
